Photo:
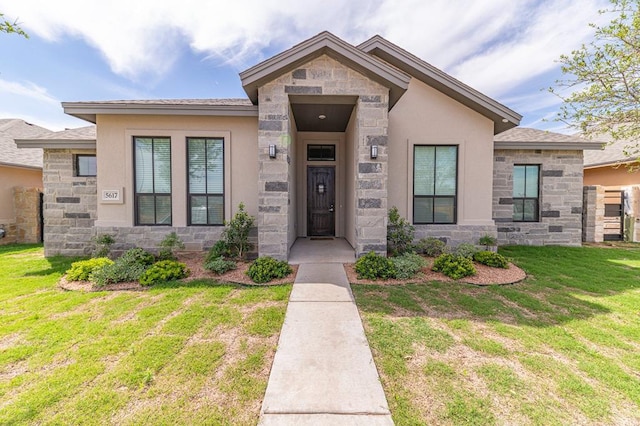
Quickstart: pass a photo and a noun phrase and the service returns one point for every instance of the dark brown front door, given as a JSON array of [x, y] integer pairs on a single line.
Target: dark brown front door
[[320, 201]]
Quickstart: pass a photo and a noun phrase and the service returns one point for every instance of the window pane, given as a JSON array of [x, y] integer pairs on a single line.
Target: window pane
[[530, 210], [424, 170], [215, 169], [162, 165], [518, 181], [422, 210], [216, 210], [144, 165], [197, 171], [321, 152], [87, 165], [518, 210], [163, 210], [443, 210], [199, 210], [531, 186], [146, 210], [446, 157]]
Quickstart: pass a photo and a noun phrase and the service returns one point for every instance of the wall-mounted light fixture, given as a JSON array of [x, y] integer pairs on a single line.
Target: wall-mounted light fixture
[[272, 151], [374, 151]]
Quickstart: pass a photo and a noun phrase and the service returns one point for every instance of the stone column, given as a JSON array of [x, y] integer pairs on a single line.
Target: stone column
[[593, 214], [27, 207]]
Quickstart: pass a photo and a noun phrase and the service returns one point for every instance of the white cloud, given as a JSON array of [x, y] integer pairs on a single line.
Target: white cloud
[[28, 90]]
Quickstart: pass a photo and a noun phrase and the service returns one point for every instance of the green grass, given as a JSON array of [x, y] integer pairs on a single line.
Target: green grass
[[559, 348], [174, 354]]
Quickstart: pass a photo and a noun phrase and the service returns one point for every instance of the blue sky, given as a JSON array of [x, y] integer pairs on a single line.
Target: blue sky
[[157, 49]]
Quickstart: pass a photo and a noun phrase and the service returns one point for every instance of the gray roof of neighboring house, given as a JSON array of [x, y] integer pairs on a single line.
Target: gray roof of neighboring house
[[81, 138], [12, 129], [527, 138], [611, 153]]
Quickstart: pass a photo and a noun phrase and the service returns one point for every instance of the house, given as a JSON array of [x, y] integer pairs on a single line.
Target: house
[[20, 183], [330, 137], [615, 179]]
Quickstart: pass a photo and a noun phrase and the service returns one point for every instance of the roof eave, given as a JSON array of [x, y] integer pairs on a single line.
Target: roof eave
[[503, 117], [564, 146], [325, 43], [57, 143], [20, 166]]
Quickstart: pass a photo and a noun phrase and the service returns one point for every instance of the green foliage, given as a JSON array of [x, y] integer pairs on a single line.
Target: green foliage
[[103, 244], [492, 259], [606, 71], [9, 27], [136, 255], [372, 266], [465, 250], [431, 246], [408, 265], [236, 232], [399, 233], [488, 240], [219, 249], [454, 266], [81, 270], [164, 270], [169, 245], [128, 267], [220, 265], [265, 269]]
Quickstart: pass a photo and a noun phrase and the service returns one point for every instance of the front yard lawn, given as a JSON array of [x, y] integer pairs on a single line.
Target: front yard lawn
[[562, 347], [179, 353]]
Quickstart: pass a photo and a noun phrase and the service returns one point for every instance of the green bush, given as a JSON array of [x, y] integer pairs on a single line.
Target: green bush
[[103, 245], [372, 266], [137, 256], [453, 266], [465, 250], [128, 267], [220, 265], [81, 270], [265, 269], [492, 259], [236, 232], [488, 240], [399, 233], [169, 245], [219, 249], [408, 265], [431, 246], [164, 270]]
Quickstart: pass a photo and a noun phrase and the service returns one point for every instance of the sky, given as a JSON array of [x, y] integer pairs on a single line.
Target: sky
[[81, 50]]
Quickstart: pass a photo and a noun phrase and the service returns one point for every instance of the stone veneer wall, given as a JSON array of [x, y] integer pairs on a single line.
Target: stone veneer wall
[[69, 206], [593, 214], [10, 233], [454, 234], [26, 203], [560, 198], [321, 76]]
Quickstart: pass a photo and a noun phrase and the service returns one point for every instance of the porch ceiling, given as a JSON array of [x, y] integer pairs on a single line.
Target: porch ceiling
[[336, 111]]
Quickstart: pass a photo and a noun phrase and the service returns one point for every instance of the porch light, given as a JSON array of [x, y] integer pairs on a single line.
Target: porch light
[[272, 151], [322, 116], [374, 152]]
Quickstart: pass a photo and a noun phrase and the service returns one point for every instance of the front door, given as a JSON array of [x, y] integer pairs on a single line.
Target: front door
[[321, 201]]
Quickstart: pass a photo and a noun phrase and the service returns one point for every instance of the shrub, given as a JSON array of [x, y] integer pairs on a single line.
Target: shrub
[[399, 233], [408, 265], [81, 270], [372, 266], [128, 267], [265, 269], [220, 265], [169, 245], [453, 266], [137, 256], [488, 240], [465, 250], [492, 259], [236, 232], [164, 270], [431, 246], [219, 249], [103, 245]]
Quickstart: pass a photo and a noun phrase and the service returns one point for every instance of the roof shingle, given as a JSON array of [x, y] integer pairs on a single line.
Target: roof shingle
[[10, 154]]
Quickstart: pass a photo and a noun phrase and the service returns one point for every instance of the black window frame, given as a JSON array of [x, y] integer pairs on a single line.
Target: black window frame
[[77, 165], [155, 195], [433, 197], [206, 194], [524, 199], [332, 148]]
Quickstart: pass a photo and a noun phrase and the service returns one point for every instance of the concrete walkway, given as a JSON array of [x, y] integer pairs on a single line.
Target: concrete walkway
[[323, 372]]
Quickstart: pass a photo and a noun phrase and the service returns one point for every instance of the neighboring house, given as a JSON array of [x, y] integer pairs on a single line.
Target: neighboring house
[[20, 183], [330, 137], [617, 178]]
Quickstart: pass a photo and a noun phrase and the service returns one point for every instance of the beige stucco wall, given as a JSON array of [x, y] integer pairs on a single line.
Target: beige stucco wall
[[424, 116], [350, 158], [11, 177], [611, 176], [115, 161]]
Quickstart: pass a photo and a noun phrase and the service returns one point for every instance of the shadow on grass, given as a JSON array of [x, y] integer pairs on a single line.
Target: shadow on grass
[[209, 282], [564, 284]]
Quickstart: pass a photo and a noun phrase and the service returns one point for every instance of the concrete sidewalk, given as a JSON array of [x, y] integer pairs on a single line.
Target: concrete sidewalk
[[323, 372]]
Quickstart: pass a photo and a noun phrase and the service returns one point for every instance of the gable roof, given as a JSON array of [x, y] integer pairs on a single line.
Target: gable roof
[[503, 117], [527, 138], [328, 44], [611, 153], [79, 138], [12, 129]]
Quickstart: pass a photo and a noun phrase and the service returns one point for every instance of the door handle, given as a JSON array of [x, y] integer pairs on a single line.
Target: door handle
[[331, 208]]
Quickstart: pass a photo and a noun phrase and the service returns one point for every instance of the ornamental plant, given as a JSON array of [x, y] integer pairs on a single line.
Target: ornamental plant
[[372, 266], [492, 259], [266, 268], [454, 267], [164, 270], [236, 232], [81, 270], [399, 233]]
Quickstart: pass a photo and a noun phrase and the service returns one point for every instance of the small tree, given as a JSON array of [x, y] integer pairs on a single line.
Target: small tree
[[399, 233], [236, 232]]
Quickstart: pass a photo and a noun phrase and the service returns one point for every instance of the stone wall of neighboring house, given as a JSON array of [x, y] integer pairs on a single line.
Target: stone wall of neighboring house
[[69, 206], [593, 214], [10, 233], [26, 202], [560, 200]]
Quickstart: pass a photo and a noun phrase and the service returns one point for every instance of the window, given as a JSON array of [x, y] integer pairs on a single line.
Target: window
[[525, 192], [435, 176], [206, 181], [321, 152], [152, 159], [85, 165]]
